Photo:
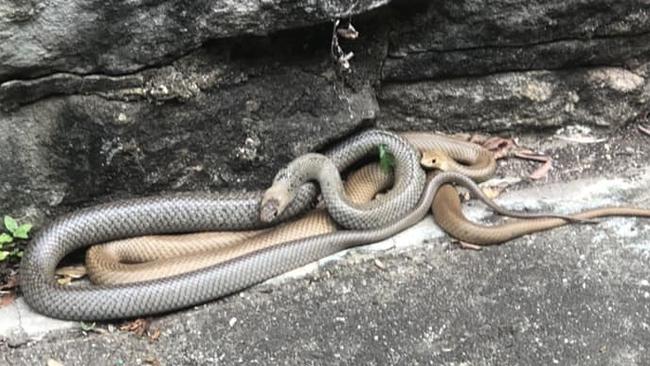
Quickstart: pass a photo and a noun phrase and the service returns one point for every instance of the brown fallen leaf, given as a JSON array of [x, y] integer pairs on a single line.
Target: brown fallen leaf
[[582, 139], [70, 273], [11, 283], [64, 281], [464, 196], [500, 147], [379, 264], [154, 334], [463, 136], [73, 272], [7, 298], [540, 172], [138, 326], [152, 361], [493, 192], [348, 32], [470, 246]]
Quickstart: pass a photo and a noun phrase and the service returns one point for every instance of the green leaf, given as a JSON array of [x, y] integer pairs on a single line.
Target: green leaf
[[10, 224], [87, 327], [386, 159], [3, 255], [22, 231], [5, 239]]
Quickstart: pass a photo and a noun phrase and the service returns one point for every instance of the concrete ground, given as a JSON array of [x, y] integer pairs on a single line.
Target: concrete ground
[[573, 295]]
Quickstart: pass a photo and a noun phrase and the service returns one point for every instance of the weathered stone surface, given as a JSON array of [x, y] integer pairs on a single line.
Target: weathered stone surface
[[474, 37], [38, 37], [182, 130], [101, 100], [602, 96]]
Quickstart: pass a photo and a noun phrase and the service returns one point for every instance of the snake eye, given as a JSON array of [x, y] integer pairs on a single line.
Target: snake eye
[[429, 161]]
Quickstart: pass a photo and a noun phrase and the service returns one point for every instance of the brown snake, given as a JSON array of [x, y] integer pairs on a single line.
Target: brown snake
[[235, 210], [146, 258], [151, 257]]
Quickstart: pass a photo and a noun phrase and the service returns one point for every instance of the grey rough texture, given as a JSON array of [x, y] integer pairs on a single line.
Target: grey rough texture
[[67, 151], [105, 100], [81, 37], [598, 96], [474, 37]]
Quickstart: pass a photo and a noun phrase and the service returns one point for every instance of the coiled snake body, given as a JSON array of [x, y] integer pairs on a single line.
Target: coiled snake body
[[232, 211], [190, 213]]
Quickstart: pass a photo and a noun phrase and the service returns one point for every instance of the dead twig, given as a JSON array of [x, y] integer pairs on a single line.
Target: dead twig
[[644, 129]]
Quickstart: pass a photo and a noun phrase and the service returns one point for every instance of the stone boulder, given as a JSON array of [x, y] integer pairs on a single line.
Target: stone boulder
[[101, 100]]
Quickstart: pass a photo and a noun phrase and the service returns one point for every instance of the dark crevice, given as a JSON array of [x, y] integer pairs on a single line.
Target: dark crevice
[[524, 45], [475, 76]]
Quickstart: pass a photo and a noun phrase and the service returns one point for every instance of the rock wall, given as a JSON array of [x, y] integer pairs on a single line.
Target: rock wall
[[106, 100]]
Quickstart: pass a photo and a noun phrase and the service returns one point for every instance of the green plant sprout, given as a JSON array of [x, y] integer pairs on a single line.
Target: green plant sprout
[[13, 232], [386, 159]]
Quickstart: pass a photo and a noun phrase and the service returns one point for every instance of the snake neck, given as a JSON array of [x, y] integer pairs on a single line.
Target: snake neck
[[306, 168]]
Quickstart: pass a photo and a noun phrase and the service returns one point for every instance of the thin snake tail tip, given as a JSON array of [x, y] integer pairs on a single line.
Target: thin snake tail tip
[[577, 220]]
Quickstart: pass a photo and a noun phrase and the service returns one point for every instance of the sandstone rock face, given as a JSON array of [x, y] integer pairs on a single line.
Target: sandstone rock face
[[101, 100]]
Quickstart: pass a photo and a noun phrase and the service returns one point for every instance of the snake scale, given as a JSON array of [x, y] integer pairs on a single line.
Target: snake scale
[[152, 257], [197, 212], [190, 213]]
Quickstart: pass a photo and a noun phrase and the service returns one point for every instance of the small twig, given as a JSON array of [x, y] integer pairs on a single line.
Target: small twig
[[540, 172], [582, 139], [465, 245], [643, 129]]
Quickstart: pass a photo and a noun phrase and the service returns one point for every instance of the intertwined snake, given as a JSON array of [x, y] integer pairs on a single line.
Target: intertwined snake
[[158, 256], [201, 212]]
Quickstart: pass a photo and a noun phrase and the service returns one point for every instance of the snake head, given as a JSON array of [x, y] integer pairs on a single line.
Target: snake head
[[274, 202], [434, 159]]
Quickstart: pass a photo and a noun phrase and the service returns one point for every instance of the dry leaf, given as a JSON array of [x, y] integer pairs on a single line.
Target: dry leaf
[[152, 361], [493, 192], [348, 33], [465, 245], [154, 335], [579, 139], [540, 172], [138, 326], [12, 282], [51, 362], [380, 264], [464, 196], [499, 146], [73, 272], [69, 273], [7, 298], [64, 281], [463, 136]]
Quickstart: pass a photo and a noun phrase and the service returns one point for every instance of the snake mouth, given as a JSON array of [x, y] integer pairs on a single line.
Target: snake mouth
[[270, 210], [274, 202]]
